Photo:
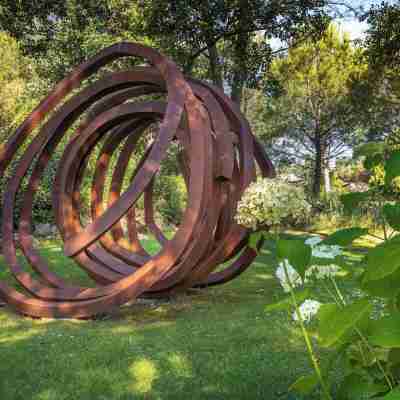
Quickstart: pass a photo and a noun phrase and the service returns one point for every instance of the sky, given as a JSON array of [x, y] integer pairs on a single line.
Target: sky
[[355, 28], [352, 26]]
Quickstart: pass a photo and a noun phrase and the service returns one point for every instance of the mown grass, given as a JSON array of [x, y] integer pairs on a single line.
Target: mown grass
[[211, 344]]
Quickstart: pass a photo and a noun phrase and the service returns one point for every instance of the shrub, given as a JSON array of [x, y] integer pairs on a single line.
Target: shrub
[[172, 198], [269, 203]]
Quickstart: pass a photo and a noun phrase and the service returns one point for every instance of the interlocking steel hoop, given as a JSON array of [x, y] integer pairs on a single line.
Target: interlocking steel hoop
[[218, 159]]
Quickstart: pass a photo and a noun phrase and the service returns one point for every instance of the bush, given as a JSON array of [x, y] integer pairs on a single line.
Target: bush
[[172, 202]]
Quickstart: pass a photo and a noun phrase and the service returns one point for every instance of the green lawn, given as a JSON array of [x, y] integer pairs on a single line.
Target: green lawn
[[212, 344]]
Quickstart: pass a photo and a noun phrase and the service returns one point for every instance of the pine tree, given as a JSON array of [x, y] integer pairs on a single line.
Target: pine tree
[[309, 112]]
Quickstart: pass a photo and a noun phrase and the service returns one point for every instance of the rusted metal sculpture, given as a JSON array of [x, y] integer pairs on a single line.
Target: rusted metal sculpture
[[218, 161]]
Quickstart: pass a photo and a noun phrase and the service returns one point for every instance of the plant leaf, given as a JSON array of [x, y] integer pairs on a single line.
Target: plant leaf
[[357, 387], [387, 287], [287, 303], [344, 237], [335, 322], [296, 252], [392, 167], [382, 260], [392, 215], [304, 384], [385, 332], [392, 395]]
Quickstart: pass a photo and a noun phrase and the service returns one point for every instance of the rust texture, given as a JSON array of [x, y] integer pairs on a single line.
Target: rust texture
[[218, 159]]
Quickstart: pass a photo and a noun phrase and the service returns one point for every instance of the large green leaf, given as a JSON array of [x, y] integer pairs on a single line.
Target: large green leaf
[[387, 287], [393, 395], [335, 322], [305, 384], [287, 302], [392, 215], [296, 252], [385, 332], [382, 260], [358, 387], [344, 237], [351, 201], [394, 356], [392, 167]]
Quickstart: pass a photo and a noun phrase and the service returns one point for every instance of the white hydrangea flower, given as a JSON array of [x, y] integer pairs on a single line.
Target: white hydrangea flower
[[322, 271], [307, 310], [294, 277], [325, 251], [272, 202], [322, 251], [313, 241]]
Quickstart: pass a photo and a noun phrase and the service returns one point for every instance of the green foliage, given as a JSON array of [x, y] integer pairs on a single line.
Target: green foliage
[[335, 322], [221, 40], [385, 332], [383, 260], [393, 395], [310, 117], [14, 73], [351, 201], [287, 303], [345, 237], [359, 386], [392, 167], [383, 36], [272, 202], [387, 287], [305, 384], [254, 239], [391, 213], [173, 201], [363, 329], [296, 252]]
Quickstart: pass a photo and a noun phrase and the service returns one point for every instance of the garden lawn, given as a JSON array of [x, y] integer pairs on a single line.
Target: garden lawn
[[216, 343]]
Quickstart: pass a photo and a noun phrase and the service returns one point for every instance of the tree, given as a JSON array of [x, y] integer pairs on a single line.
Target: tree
[[377, 94], [309, 111], [383, 36], [229, 40], [14, 74], [58, 35]]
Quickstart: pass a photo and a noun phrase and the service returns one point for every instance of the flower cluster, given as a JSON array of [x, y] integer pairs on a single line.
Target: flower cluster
[[322, 250], [314, 271], [269, 202], [307, 310], [294, 278], [322, 271]]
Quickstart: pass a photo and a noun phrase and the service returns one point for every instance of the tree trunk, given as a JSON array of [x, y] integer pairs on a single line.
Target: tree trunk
[[319, 165], [215, 67], [240, 55], [237, 87], [327, 179]]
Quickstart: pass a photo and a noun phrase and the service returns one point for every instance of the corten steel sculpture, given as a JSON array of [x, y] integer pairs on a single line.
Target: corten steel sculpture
[[218, 161]]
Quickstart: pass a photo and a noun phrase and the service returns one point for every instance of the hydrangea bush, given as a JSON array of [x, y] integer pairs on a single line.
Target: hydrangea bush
[[269, 203]]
